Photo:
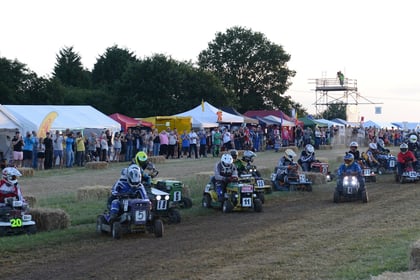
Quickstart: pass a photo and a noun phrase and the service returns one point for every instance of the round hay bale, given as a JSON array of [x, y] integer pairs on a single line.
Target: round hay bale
[[93, 192], [97, 165], [47, 219], [316, 178], [31, 200], [157, 159], [26, 171], [205, 175], [294, 148]]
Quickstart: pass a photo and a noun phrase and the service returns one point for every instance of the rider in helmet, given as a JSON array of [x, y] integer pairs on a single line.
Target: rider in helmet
[[413, 144], [9, 186], [128, 183], [240, 164], [224, 171], [307, 157], [354, 150], [404, 157], [282, 167], [141, 160], [350, 166], [248, 157], [371, 155], [381, 146]]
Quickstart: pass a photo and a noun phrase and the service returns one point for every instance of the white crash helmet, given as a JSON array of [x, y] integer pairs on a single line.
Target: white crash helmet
[[373, 146], [381, 142], [309, 148], [226, 160], [354, 144], [290, 153], [249, 156], [403, 148], [10, 175], [133, 175], [413, 138]]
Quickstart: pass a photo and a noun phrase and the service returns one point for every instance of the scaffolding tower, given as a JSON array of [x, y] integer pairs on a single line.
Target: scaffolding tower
[[330, 91]]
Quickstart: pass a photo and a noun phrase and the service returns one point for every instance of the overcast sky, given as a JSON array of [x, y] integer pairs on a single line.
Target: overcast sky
[[375, 42]]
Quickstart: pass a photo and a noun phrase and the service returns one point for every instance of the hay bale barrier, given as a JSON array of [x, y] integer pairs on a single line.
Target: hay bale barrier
[[97, 165], [325, 147], [414, 263], [48, 219], [93, 192], [316, 178], [26, 171], [294, 148], [157, 159], [31, 200]]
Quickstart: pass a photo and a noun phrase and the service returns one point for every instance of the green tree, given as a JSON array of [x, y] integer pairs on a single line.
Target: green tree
[[250, 66], [334, 110], [159, 85], [110, 66], [69, 69]]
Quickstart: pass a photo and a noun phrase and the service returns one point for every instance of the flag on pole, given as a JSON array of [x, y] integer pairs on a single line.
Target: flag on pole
[[202, 105]]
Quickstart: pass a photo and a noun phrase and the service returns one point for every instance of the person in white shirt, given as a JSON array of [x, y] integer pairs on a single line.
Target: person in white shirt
[[193, 137]]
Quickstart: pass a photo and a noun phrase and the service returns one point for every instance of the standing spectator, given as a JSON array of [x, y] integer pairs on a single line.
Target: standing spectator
[[28, 149], [285, 136], [307, 136], [156, 143], [164, 140], [185, 144], [123, 146], [299, 137], [193, 137], [49, 151], [17, 143], [40, 154], [104, 148], [149, 143], [35, 151], [117, 146], [80, 149], [209, 138], [217, 142], [171, 144], [58, 141], [69, 150], [110, 144], [177, 145], [260, 132], [203, 143], [227, 141], [317, 134], [91, 147], [129, 144]]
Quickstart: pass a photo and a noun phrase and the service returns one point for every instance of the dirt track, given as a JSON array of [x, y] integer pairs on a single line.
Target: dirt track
[[297, 236]]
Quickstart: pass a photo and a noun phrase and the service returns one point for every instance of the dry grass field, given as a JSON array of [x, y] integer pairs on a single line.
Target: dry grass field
[[297, 236]]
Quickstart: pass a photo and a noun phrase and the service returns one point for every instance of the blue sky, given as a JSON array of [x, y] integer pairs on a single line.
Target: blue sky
[[375, 42]]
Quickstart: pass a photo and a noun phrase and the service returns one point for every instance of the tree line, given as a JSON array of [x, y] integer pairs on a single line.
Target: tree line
[[240, 68]]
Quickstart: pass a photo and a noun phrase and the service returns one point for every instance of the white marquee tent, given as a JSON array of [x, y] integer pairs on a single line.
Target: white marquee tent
[[77, 117], [206, 115]]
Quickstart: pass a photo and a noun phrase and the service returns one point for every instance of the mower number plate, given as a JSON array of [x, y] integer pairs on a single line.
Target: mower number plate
[[412, 174], [140, 216], [392, 163], [260, 183], [177, 195], [273, 176], [366, 171], [302, 178], [349, 190], [246, 202], [161, 205], [15, 222]]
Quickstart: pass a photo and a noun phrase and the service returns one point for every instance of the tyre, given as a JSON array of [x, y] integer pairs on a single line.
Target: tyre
[[116, 230], [365, 197], [381, 170], [309, 188], [397, 178], [206, 202], [401, 179], [99, 222], [174, 216], [257, 205], [261, 197], [158, 228], [227, 206], [186, 202], [336, 197], [373, 179]]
